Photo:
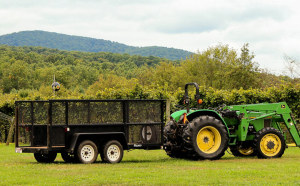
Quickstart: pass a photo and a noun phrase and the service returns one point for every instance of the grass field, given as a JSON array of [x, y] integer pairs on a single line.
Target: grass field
[[151, 167]]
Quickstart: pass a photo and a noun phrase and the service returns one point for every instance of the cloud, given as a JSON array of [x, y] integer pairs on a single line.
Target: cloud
[[270, 27], [196, 18]]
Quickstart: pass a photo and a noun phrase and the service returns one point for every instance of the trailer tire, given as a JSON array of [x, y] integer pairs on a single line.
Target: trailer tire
[[269, 143], [68, 158], [112, 152], [45, 158], [87, 152], [207, 136]]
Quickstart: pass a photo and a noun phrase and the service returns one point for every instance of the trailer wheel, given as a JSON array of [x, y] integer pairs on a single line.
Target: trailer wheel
[[68, 158], [112, 152], [87, 152], [269, 143], [45, 158], [207, 136]]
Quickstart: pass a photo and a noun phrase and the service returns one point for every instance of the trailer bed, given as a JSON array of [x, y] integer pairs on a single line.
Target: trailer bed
[[53, 125]]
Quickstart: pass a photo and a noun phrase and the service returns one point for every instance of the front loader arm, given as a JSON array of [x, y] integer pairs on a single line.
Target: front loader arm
[[269, 109], [291, 126]]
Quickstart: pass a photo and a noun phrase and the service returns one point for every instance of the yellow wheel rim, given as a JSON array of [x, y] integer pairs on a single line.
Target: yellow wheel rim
[[270, 145], [246, 151], [208, 139]]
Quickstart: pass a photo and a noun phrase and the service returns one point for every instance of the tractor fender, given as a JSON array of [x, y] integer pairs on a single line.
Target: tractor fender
[[203, 112], [99, 138]]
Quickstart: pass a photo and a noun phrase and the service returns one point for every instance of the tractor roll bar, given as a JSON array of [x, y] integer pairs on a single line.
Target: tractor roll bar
[[186, 95]]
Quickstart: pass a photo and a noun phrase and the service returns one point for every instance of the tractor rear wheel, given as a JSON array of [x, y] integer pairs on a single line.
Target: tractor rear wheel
[[269, 143], [171, 140], [207, 136], [173, 143]]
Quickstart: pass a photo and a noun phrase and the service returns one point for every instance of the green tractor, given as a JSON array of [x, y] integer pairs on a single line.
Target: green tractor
[[248, 130]]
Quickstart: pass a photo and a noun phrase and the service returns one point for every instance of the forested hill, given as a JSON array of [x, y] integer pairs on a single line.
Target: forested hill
[[85, 44], [225, 76]]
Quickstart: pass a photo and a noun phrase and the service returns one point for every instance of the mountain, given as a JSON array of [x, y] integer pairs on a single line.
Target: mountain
[[86, 44]]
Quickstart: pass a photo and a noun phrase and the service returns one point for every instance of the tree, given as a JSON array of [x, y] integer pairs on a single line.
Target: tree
[[16, 76], [292, 66], [220, 67]]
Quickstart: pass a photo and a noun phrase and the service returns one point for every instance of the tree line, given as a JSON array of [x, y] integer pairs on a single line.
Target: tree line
[[27, 72], [225, 75]]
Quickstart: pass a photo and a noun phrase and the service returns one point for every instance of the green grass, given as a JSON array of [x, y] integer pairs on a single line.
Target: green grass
[[151, 167]]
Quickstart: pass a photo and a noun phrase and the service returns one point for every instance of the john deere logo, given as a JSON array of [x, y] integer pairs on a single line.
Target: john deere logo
[[282, 106]]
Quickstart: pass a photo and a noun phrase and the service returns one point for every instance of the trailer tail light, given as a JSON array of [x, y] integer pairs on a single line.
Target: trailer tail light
[[67, 129]]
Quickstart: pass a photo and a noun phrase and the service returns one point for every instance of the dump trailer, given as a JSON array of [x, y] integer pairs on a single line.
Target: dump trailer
[[248, 130], [82, 129]]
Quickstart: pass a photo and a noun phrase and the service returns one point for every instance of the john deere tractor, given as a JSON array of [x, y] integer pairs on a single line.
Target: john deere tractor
[[248, 130]]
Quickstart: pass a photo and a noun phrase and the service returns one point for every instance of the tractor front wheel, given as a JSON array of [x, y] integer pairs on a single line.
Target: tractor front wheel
[[269, 143]]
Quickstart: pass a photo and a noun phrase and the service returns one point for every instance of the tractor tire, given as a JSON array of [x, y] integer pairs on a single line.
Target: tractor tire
[[244, 150], [45, 158], [87, 152], [68, 158], [207, 136], [112, 152], [269, 143], [173, 145], [170, 140]]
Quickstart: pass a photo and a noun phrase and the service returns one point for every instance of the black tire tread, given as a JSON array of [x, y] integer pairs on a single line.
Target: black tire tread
[[77, 155], [45, 158], [68, 158], [105, 159], [263, 132], [235, 151], [189, 131]]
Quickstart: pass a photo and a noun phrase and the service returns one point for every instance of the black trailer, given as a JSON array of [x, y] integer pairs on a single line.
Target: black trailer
[[82, 129]]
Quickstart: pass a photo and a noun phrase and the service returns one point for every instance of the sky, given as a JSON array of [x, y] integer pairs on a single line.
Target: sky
[[272, 28]]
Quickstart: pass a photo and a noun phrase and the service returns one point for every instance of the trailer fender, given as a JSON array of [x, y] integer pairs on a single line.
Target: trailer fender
[[97, 138]]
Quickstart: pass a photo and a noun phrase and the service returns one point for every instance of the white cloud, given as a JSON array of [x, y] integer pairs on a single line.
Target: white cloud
[[270, 27]]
